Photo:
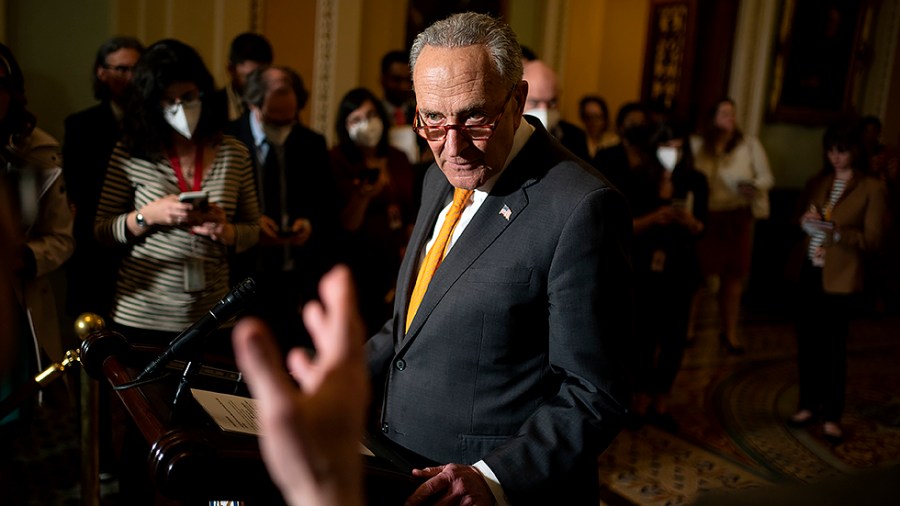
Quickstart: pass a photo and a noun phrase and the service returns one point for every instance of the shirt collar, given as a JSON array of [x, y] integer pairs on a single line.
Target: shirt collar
[[256, 129], [117, 111], [523, 133]]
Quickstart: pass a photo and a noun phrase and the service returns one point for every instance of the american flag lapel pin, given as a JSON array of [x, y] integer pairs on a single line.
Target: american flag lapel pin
[[506, 212]]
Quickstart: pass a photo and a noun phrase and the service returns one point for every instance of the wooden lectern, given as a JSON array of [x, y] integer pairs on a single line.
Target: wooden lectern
[[190, 457]]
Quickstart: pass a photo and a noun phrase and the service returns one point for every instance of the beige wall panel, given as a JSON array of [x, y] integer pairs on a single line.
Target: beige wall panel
[[383, 29], [526, 17], [581, 66], [193, 22], [55, 42], [153, 21], [622, 52], [127, 18], [207, 25], [290, 26]]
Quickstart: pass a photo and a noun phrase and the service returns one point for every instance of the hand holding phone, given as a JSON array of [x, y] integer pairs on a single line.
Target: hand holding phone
[[198, 199]]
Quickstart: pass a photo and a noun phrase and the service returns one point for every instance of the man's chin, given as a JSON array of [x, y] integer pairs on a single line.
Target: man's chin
[[465, 179]]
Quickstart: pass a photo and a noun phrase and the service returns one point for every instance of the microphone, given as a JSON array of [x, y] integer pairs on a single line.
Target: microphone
[[225, 309]]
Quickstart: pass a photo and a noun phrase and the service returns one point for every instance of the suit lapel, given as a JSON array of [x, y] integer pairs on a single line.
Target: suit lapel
[[500, 209], [497, 212], [410, 269]]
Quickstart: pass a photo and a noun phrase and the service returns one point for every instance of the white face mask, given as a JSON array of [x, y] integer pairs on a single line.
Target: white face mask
[[549, 117], [668, 156], [277, 134], [367, 132], [183, 118]]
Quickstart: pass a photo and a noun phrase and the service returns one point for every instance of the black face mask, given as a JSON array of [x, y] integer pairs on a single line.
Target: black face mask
[[637, 135]]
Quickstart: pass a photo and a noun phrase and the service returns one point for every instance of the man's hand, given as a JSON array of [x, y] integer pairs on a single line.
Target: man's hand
[[311, 432], [451, 484], [302, 229], [269, 232]]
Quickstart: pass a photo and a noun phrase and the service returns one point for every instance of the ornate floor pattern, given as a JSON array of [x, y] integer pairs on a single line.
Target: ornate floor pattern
[[730, 413]]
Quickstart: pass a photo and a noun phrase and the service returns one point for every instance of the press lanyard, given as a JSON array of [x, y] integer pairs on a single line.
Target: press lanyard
[[179, 173]]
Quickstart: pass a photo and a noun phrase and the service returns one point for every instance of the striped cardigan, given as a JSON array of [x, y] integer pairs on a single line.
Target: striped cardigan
[[150, 284]]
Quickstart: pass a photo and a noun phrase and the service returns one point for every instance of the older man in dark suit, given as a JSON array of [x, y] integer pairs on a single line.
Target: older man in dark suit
[[502, 366], [299, 228]]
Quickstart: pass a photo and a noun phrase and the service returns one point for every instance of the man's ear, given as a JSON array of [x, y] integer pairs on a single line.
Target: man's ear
[[521, 96]]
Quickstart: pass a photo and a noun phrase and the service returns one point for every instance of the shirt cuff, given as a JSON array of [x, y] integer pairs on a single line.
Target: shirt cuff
[[493, 483]]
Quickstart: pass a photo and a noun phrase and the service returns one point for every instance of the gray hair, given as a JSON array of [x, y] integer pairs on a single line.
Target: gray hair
[[256, 88], [474, 29]]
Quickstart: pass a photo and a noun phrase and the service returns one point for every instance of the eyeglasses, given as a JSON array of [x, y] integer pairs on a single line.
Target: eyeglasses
[[122, 69], [474, 132], [190, 98]]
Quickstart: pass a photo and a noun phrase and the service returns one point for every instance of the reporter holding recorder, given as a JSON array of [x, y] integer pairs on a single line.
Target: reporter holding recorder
[[176, 265]]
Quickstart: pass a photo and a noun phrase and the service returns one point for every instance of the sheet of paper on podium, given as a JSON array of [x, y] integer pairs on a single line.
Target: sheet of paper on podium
[[233, 413]]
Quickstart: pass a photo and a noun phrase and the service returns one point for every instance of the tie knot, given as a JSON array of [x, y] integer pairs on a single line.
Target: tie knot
[[461, 197]]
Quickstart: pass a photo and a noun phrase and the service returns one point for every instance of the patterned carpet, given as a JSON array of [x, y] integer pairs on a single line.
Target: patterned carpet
[[730, 412]]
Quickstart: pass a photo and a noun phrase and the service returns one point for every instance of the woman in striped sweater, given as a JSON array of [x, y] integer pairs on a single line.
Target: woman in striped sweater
[[176, 264]]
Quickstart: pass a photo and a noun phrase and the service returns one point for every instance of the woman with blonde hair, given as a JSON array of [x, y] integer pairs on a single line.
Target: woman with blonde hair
[[739, 178]]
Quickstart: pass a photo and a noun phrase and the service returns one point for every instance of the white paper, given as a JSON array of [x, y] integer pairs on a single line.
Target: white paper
[[233, 413]]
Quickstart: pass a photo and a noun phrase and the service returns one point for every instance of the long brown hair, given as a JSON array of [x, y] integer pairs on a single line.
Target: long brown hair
[[712, 133]]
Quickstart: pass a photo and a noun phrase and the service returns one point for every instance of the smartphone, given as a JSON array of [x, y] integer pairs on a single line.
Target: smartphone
[[199, 199]]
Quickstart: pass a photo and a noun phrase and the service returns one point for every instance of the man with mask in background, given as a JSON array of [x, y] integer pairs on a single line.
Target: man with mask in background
[[616, 162], [297, 195], [543, 104]]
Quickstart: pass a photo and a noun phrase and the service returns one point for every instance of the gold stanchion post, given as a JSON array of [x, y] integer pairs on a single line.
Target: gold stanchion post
[[85, 325]]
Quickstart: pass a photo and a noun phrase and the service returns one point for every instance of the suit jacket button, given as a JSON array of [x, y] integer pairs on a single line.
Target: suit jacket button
[[385, 427], [401, 364]]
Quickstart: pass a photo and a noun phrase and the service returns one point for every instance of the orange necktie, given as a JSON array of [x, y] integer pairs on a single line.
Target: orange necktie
[[436, 253]]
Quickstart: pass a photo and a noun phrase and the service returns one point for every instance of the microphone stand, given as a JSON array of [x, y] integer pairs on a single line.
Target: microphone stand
[[190, 370]]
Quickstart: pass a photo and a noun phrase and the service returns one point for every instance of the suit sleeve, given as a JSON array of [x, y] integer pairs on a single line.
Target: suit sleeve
[[246, 218], [870, 237], [589, 316]]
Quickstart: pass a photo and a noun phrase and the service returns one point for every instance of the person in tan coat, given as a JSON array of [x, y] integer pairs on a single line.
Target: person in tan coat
[[843, 218], [42, 241]]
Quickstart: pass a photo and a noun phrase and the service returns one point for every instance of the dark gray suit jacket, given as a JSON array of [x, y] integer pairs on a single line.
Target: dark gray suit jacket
[[515, 355]]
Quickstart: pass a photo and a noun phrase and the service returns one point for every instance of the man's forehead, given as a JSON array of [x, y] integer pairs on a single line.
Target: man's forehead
[[276, 77], [447, 73], [124, 53]]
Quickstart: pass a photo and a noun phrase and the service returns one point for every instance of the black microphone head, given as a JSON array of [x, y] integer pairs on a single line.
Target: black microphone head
[[235, 300], [242, 292]]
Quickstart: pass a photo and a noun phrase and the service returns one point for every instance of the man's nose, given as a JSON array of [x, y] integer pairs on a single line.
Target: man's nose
[[455, 142]]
